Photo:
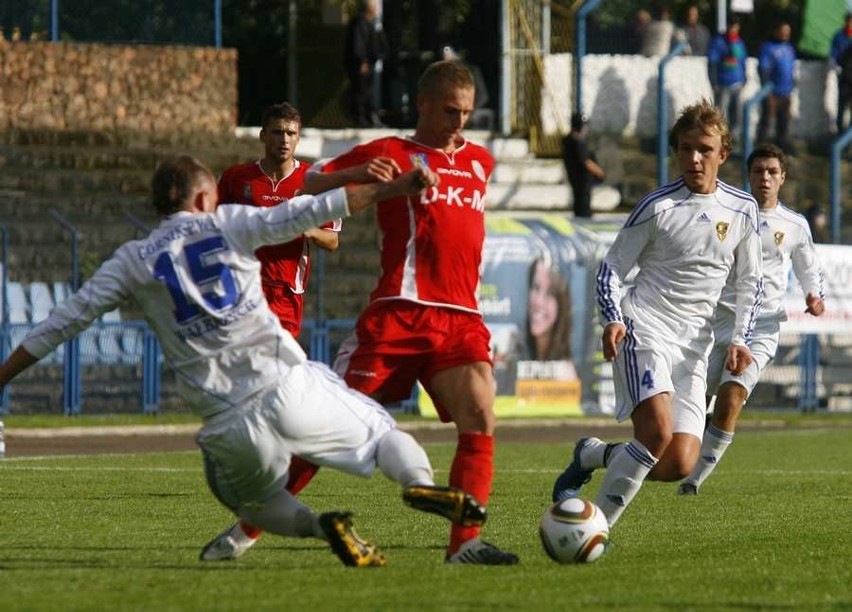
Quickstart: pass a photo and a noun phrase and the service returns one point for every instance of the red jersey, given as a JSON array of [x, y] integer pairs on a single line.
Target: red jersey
[[431, 245], [285, 268]]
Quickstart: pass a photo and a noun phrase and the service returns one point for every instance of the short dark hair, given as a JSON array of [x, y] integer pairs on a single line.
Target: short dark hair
[[173, 182], [445, 72], [578, 120], [765, 151], [282, 110], [704, 116]]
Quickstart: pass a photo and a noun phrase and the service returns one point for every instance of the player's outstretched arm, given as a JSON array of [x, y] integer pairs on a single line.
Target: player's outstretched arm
[[325, 239], [18, 361], [410, 183], [379, 169]]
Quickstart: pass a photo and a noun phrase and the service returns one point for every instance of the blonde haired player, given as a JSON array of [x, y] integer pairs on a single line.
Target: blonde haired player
[[786, 241], [423, 321], [198, 282], [685, 238]]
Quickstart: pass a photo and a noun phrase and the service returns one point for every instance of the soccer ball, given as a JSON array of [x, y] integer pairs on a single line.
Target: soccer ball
[[574, 531]]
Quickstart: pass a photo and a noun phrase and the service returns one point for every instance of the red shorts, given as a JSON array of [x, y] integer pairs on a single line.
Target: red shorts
[[400, 342], [286, 305]]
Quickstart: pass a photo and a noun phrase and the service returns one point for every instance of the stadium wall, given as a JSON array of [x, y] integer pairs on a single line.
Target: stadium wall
[[136, 88], [620, 93]]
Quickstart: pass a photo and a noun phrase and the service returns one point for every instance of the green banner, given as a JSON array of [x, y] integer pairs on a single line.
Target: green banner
[[823, 18]]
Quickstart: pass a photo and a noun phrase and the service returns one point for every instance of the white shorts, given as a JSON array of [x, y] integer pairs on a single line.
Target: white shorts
[[763, 347], [648, 365], [312, 414]]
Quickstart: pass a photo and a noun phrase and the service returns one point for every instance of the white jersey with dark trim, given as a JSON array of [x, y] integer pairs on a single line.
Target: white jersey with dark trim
[[786, 243], [197, 280], [685, 245]]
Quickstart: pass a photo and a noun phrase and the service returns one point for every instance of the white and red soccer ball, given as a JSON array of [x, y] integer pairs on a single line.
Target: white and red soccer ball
[[574, 531]]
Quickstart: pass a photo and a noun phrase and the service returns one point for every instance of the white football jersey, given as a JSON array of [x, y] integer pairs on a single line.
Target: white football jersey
[[786, 242], [685, 245], [197, 280]]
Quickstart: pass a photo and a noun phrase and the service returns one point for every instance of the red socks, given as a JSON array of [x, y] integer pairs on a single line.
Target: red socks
[[472, 471], [301, 473]]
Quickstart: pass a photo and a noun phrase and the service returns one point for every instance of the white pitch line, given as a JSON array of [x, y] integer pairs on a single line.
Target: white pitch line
[[9, 465]]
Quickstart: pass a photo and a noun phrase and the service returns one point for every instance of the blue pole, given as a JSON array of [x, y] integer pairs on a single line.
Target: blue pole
[[54, 20], [834, 176], [663, 115], [72, 385], [580, 50], [150, 372], [748, 139], [6, 334], [217, 23], [319, 336]]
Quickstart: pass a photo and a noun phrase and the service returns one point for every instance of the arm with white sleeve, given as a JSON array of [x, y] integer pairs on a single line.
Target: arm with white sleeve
[[616, 265], [807, 268], [277, 224], [748, 268], [103, 292]]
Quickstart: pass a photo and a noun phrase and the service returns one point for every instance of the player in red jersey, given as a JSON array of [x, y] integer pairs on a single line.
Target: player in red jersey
[[285, 268], [274, 178], [423, 322]]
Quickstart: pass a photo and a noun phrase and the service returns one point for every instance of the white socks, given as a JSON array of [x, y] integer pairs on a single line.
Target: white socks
[[403, 460], [713, 446], [284, 515], [625, 474]]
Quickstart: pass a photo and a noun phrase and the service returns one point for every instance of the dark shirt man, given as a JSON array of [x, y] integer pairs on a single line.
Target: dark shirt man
[[580, 165], [365, 45]]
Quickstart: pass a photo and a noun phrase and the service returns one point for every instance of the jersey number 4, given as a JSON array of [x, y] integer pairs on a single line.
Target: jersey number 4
[[202, 273]]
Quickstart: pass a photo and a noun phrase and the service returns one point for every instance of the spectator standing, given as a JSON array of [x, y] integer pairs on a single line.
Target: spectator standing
[[365, 45], [726, 61], [840, 59], [581, 167], [694, 33], [776, 63], [658, 34]]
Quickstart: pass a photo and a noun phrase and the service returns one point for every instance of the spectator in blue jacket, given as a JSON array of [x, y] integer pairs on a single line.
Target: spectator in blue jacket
[[841, 63], [726, 60], [776, 62]]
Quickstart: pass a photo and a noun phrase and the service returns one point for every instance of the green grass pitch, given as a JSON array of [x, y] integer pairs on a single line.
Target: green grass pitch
[[771, 530]]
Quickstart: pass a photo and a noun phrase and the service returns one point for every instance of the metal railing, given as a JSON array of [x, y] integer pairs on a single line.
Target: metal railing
[[663, 115], [580, 50], [748, 139], [72, 386], [837, 147]]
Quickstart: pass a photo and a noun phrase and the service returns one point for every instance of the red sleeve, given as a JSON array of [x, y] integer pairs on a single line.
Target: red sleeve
[[357, 155], [224, 187]]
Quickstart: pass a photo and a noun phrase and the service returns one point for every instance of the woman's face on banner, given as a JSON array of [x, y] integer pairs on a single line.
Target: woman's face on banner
[[543, 306]]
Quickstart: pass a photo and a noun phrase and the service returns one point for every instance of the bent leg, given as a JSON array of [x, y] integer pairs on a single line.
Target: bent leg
[[720, 431]]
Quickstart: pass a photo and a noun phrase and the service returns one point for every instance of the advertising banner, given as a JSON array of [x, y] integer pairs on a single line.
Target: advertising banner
[[537, 298]]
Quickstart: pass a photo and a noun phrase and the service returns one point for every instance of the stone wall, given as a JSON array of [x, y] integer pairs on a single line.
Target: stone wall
[[620, 93], [135, 88]]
